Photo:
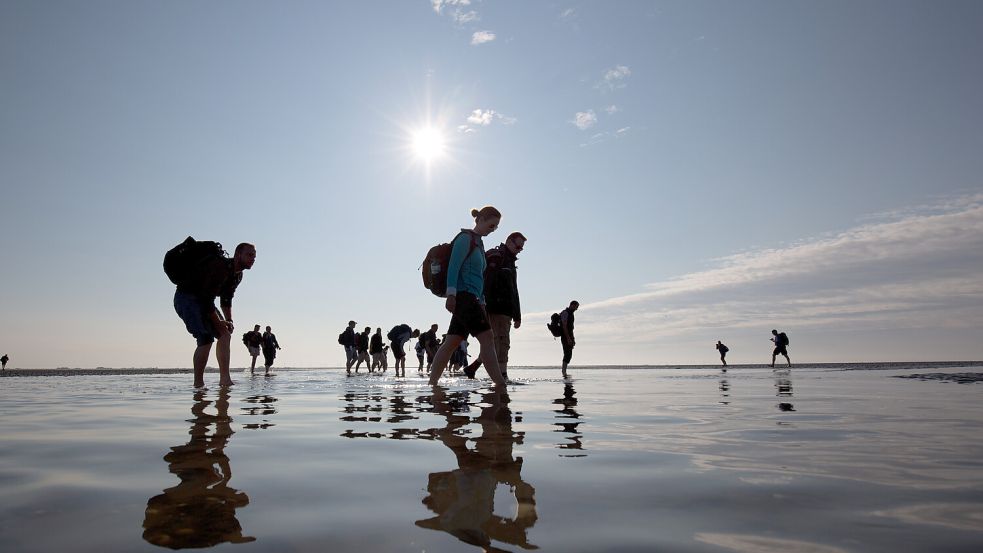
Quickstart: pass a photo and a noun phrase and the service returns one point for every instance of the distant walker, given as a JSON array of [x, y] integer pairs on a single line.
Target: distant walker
[[781, 346]]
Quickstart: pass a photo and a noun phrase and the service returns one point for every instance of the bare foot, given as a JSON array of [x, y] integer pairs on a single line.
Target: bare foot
[[226, 383]]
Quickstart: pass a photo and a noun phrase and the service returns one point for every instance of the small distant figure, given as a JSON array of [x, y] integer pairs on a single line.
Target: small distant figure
[[4, 360], [398, 336], [347, 339], [270, 345], [420, 350], [566, 337], [362, 348], [202, 273], [723, 352], [781, 344], [253, 341], [376, 350], [459, 359], [502, 297], [430, 344]]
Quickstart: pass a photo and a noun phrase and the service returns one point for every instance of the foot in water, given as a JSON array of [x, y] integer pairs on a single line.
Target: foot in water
[[470, 372]]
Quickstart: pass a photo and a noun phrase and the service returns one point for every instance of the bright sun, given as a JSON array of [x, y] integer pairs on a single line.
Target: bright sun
[[428, 144]]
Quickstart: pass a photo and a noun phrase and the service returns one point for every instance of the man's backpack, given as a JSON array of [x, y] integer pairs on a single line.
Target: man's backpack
[[181, 261], [245, 338], [341, 339], [434, 267], [782, 339], [397, 330], [554, 326]]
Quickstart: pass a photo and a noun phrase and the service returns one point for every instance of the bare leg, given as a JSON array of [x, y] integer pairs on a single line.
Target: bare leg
[[223, 352], [200, 359], [443, 354], [252, 367], [489, 356]]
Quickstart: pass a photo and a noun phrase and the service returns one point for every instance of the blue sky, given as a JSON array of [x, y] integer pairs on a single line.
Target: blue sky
[[689, 171]]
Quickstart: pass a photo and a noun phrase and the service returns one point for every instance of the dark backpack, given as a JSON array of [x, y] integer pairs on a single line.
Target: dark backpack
[[782, 339], [181, 261], [245, 338], [555, 327], [434, 267], [341, 339], [397, 330]]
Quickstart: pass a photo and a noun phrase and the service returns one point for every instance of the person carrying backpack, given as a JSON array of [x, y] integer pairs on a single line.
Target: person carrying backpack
[[377, 352], [781, 346], [502, 297], [347, 339], [270, 345], [465, 296], [398, 336], [253, 341], [362, 347], [723, 351], [566, 333], [202, 272]]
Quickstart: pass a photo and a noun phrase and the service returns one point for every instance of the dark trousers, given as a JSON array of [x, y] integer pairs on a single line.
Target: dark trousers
[[567, 350]]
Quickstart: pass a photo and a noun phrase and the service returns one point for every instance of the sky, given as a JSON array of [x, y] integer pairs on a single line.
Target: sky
[[689, 171]]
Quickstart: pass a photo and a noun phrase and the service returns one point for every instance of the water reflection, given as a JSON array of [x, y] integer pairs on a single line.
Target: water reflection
[[783, 385], [200, 510], [568, 426], [262, 406], [464, 498], [724, 386]]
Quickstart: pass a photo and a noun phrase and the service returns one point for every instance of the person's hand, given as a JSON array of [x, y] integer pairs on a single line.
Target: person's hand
[[517, 323], [451, 303], [230, 325]]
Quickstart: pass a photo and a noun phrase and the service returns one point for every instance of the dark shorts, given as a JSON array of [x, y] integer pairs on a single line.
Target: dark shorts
[[398, 343], [350, 353], [780, 350], [268, 356], [195, 317], [469, 317]]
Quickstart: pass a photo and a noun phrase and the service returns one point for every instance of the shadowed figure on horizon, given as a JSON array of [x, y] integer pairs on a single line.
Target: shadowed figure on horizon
[[464, 498], [200, 510]]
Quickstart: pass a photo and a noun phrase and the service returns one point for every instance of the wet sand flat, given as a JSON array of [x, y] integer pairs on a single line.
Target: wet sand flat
[[813, 459]]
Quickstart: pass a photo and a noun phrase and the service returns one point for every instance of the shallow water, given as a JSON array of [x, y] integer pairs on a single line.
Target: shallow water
[[809, 460]]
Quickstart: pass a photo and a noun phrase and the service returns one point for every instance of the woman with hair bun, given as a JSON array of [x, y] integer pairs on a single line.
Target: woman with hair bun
[[465, 296]]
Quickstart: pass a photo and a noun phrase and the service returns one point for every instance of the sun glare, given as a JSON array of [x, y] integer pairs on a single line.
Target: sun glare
[[428, 144]]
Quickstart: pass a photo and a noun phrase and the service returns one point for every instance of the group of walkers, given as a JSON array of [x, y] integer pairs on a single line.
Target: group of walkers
[[481, 295], [265, 342], [480, 290], [780, 339]]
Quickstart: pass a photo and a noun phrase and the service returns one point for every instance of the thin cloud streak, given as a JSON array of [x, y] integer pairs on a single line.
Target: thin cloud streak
[[481, 37], [916, 272]]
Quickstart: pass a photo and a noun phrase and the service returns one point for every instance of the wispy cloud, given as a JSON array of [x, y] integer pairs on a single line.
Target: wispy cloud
[[481, 37], [584, 120], [461, 17], [612, 109], [918, 271], [438, 5], [614, 78], [485, 117]]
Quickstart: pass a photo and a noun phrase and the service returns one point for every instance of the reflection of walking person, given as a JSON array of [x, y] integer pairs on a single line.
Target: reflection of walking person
[[463, 500], [723, 352], [781, 344], [4, 360], [270, 345], [200, 511], [566, 337]]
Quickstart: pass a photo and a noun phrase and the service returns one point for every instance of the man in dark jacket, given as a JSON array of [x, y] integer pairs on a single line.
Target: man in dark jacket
[[502, 297], [194, 302], [566, 339], [347, 339]]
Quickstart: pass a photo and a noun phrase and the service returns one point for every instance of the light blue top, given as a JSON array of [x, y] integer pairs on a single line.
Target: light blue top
[[467, 275]]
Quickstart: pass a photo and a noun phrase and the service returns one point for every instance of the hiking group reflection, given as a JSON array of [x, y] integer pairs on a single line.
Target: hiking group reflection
[[200, 510], [569, 411], [464, 498]]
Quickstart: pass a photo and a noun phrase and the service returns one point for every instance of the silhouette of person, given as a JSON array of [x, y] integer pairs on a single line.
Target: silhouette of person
[[200, 510], [4, 360], [568, 426], [463, 499], [723, 352]]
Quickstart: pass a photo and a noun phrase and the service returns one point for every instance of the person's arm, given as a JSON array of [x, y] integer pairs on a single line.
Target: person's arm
[[564, 317], [459, 252], [516, 310]]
